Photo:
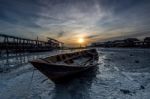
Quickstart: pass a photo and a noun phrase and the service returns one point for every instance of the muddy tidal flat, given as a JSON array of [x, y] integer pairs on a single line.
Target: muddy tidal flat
[[121, 74]]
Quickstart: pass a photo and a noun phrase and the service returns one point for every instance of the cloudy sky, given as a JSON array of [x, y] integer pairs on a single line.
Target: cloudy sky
[[69, 20]]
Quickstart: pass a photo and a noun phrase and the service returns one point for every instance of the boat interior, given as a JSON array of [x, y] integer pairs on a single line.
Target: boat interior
[[80, 58]]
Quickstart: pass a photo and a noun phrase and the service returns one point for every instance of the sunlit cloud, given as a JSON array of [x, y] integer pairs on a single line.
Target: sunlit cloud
[[69, 20]]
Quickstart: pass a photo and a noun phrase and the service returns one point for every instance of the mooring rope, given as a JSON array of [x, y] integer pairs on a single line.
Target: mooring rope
[[29, 86]]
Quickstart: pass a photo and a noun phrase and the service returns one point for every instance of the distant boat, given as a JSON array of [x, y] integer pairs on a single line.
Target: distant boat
[[62, 67]]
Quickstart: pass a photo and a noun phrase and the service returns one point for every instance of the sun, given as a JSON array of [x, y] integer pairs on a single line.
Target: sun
[[81, 40]]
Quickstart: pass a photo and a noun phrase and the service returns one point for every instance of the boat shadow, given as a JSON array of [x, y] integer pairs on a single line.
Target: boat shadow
[[77, 88]]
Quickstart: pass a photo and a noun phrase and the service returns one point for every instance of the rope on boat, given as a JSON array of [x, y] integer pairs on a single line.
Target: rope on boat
[[29, 86], [31, 78]]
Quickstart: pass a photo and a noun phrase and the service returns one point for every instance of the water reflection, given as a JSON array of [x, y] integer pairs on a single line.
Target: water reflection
[[17, 60], [78, 88], [7, 63]]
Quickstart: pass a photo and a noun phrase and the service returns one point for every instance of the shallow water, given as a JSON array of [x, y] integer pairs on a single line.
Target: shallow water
[[121, 74]]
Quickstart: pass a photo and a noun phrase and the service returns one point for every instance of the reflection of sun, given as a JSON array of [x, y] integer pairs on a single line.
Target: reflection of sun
[[80, 40]]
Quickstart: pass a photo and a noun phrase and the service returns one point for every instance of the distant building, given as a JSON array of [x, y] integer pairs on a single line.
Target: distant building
[[131, 42], [97, 44], [108, 44], [119, 43], [147, 42]]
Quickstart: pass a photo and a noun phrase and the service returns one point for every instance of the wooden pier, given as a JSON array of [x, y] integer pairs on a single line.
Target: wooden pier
[[12, 44]]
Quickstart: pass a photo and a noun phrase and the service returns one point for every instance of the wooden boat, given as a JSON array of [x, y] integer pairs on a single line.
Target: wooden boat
[[62, 67]]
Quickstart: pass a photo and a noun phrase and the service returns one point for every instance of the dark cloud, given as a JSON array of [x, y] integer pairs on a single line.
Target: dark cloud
[[92, 36], [19, 12], [63, 18], [61, 34], [135, 34]]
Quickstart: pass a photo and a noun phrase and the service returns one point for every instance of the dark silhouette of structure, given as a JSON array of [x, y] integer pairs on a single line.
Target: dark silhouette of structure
[[54, 43], [147, 42], [129, 42], [12, 44]]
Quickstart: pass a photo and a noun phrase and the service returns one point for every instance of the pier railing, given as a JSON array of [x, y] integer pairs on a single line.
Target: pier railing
[[12, 44]]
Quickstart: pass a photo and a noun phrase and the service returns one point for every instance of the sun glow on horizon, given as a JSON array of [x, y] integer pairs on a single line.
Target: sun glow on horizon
[[81, 40]]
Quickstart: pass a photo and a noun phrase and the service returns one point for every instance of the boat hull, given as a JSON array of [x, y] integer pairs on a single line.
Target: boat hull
[[64, 67], [60, 73]]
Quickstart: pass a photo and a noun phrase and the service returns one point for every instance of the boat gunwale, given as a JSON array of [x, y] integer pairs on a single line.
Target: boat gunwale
[[64, 65], [41, 60], [68, 53]]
